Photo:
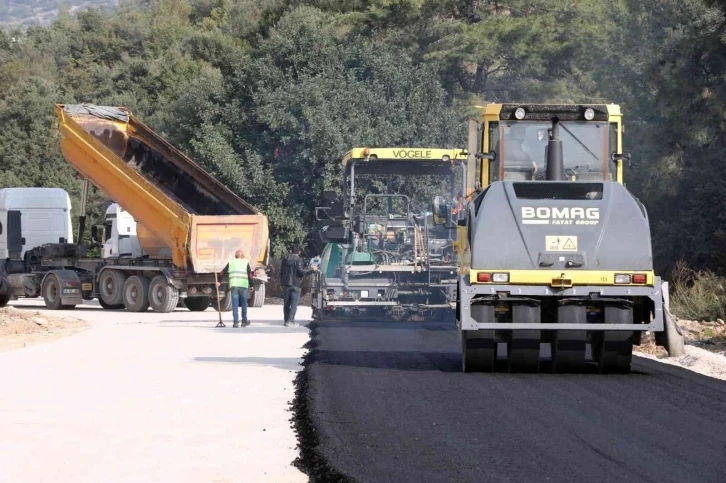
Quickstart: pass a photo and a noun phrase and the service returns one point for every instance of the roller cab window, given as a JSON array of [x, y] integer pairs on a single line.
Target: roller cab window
[[521, 150]]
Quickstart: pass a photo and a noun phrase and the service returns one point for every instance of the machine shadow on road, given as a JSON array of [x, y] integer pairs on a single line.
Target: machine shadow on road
[[63, 312], [262, 328], [286, 363], [434, 361], [430, 325], [396, 360]]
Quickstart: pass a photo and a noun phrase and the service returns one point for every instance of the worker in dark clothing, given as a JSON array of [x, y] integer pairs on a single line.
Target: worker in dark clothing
[[291, 277], [239, 274]]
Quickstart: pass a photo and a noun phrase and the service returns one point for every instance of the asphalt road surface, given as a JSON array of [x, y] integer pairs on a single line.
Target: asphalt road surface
[[383, 402]]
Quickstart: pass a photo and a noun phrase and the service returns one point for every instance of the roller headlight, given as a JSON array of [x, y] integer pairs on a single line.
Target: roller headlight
[[500, 277], [589, 114], [519, 113], [623, 278]]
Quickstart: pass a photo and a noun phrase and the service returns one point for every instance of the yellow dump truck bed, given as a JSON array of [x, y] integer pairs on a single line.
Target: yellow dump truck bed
[[174, 201]]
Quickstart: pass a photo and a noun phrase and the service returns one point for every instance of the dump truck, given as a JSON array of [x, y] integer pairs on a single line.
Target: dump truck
[[557, 252], [188, 225], [381, 255]]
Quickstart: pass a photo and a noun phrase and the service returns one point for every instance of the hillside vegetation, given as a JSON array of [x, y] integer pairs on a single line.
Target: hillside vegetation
[[268, 94]]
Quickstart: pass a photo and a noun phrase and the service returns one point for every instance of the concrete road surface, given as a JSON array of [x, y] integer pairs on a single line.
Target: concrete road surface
[[387, 403], [152, 398]]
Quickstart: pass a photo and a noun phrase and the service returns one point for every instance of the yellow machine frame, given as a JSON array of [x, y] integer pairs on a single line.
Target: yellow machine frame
[[404, 154]]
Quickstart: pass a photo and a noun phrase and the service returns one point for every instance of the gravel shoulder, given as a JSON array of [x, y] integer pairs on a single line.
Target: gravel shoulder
[[22, 328], [153, 398]]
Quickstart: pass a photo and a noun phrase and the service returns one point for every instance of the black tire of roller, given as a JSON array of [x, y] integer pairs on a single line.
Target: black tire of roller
[[523, 346], [163, 297], [197, 304], [568, 351], [478, 350], [613, 349], [613, 354], [523, 351]]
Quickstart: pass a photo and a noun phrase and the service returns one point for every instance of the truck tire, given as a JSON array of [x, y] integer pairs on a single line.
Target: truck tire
[[105, 306], [6, 292], [258, 295], [163, 297], [225, 305], [197, 304], [52, 293], [136, 294], [111, 287]]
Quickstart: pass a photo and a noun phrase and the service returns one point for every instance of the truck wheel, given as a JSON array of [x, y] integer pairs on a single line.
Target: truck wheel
[[197, 304], [225, 305], [258, 295], [6, 292], [111, 287], [105, 306], [163, 297], [52, 293], [136, 294]]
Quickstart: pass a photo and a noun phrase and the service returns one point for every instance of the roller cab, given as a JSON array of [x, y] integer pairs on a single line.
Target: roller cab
[[558, 254]]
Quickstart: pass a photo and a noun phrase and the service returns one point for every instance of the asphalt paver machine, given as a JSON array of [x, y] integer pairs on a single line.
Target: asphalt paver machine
[[381, 255]]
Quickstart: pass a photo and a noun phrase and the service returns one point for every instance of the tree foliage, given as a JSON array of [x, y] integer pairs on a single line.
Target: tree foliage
[[269, 94]]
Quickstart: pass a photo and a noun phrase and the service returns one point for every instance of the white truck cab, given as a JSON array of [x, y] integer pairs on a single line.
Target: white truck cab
[[119, 238], [30, 217]]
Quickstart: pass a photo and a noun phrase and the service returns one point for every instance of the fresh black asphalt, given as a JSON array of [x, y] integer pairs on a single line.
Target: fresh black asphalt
[[385, 402]]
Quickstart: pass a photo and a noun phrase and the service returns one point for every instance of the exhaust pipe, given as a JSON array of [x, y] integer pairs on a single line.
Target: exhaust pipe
[[555, 161]]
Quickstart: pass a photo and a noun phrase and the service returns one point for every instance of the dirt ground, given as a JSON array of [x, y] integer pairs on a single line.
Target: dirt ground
[[21, 328]]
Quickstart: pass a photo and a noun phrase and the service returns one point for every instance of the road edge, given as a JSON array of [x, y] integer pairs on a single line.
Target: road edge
[[311, 460]]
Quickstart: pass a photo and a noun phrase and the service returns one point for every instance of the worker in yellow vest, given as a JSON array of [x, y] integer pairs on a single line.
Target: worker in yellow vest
[[239, 274]]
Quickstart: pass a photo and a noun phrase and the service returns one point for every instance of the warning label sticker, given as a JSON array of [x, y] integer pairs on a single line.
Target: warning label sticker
[[561, 243]]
